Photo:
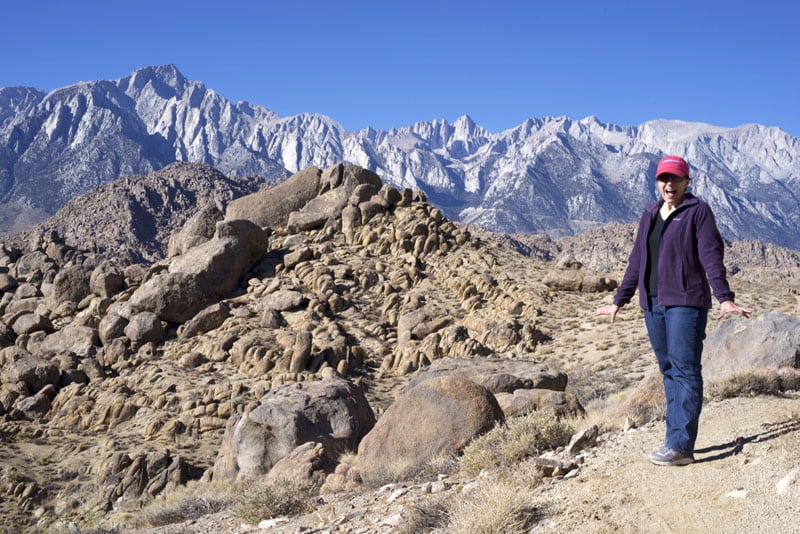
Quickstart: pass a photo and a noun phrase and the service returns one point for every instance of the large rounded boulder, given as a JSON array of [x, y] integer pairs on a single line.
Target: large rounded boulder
[[769, 340], [427, 424]]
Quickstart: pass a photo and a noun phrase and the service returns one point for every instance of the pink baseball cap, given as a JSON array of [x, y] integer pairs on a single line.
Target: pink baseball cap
[[672, 165]]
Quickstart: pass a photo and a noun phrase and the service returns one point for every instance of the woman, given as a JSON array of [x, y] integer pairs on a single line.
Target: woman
[[678, 252]]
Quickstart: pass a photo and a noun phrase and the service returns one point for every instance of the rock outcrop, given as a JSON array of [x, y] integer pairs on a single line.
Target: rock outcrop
[[176, 351], [769, 340], [332, 413], [427, 425], [204, 274], [519, 386], [271, 207]]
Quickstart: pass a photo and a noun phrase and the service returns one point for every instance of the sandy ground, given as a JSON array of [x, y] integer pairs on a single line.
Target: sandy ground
[[748, 451]]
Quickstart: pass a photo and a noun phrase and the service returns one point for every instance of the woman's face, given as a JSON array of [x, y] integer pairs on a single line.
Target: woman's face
[[672, 188]]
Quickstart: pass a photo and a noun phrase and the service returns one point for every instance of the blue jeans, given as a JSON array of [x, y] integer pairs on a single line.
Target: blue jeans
[[676, 334]]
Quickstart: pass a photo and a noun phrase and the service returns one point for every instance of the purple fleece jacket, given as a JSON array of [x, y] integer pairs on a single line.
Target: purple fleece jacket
[[690, 257]]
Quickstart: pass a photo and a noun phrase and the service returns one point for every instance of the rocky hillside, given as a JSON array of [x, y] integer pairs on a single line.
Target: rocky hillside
[[605, 249], [331, 314], [132, 218], [138, 369]]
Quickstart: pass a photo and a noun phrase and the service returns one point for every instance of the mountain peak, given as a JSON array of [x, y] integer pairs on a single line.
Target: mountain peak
[[166, 80], [168, 74], [464, 120]]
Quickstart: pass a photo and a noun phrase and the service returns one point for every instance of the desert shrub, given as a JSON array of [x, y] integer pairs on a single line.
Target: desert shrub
[[515, 440], [348, 458], [85, 521], [763, 381], [790, 378], [265, 500], [396, 469], [191, 501], [646, 403], [426, 516], [497, 504], [345, 475]]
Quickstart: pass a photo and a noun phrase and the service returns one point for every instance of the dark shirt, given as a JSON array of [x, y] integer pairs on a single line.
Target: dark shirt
[[653, 240]]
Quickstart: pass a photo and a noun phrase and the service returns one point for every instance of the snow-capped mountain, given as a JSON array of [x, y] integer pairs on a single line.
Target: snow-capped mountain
[[551, 175]]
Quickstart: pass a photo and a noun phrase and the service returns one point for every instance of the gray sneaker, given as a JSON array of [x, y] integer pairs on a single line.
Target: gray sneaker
[[668, 456]]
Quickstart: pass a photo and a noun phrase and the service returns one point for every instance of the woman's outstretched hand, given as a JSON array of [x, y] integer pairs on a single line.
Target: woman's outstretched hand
[[730, 307], [611, 310]]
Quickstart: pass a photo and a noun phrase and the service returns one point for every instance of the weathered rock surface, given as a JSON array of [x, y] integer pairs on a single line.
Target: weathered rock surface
[[498, 376], [204, 274], [519, 386], [198, 229], [133, 218], [332, 413], [306, 464], [30, 372], [522, 401], [271, 207], [575, 280], [428, 424], [768, 340]]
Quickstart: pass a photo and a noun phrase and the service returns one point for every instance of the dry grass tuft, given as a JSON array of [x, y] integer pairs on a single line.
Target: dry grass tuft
[[349, 458], [515, 440], [265, 500], [191, 501], [426, 516], [763, 381], [497, 504], [605, 419], [397, 469], [646, 403]]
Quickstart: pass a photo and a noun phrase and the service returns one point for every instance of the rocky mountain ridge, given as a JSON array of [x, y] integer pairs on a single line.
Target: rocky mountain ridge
[[552, 176]]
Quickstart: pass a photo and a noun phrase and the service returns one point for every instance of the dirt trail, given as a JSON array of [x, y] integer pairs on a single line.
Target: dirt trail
[[746, 447]]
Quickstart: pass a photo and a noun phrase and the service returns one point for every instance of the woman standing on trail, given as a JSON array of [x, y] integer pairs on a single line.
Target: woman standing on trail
[[677, 253]]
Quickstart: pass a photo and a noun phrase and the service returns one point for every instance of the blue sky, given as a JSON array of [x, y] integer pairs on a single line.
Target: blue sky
[[390, 64]]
